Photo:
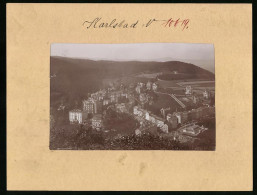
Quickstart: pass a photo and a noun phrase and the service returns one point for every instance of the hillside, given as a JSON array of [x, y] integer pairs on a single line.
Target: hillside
[[73, 79]]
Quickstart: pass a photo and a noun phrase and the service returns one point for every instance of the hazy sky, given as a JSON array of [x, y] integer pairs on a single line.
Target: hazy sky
[[199, 54]]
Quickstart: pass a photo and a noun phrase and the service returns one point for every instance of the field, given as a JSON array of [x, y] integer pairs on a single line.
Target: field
[[164, 101], [198, 83], [148, 75], [166, 84]]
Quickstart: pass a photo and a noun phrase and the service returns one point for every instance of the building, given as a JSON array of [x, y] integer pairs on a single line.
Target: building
[[149, 85], [141, 84], [121, 107], [178, 115], [159, 121], [206, 94], [123, 94], [141, 112], [192, 129], [164, 111], [195, 99], [184, 117], [155, 86], [195, 114], [172, 120], [152, 119], [106, 101], [142, 97], [75, 116], [138, 89], [99, 95], [169, 116], [99, 106], [90, 106], [97, 122], [188, 90], [147, 115], [114, 96], [135, 110], [122, 87], [138, 132], [165, 128]]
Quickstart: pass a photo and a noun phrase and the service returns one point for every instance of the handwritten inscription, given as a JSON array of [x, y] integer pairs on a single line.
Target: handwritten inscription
[[99, 23]]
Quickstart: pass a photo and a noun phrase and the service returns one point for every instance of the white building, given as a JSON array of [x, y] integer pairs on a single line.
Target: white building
[[205, 94], [155, 86], [106, 101], [147, 116], [90, 106], [178, 115], [188, 90], [75, 116], [140, 112], [165, 128], [135, 110], [138, 132], [97, 122], [149, 85], [138, 89]]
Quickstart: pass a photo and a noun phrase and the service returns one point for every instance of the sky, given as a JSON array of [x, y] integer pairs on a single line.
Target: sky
[[201, 55]]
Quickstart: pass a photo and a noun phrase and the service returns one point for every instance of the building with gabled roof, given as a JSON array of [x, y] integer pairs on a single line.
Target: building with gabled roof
[[75, 116]]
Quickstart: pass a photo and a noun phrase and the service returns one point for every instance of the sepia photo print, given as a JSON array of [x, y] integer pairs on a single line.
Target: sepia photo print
[[145, 96]]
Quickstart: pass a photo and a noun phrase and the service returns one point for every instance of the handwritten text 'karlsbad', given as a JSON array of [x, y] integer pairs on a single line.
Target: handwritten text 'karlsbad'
[[171, 22]]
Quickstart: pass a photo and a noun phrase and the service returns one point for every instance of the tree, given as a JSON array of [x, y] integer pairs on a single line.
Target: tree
[[89, 116]]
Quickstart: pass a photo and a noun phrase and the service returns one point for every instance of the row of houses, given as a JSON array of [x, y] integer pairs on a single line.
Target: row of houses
[[177, 117], [149, 86], [77, 116], [146, 115], [107, 96], [194, 114], [189, 91], [94, 105], [183, 117]]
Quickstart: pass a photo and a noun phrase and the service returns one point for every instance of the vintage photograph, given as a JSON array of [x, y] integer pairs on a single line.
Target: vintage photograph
[[145, 96]]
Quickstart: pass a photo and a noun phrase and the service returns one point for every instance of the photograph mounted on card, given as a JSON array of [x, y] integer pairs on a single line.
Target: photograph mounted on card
[[148, 96], [130, 97]]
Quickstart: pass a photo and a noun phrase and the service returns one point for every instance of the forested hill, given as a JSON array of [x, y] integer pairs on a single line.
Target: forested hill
[[75, 78]]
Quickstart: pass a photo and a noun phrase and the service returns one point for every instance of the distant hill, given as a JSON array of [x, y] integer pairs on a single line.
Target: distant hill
[[74, 78]]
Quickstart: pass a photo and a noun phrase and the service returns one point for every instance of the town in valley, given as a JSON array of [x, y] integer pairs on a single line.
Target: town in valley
[[155, 108]]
